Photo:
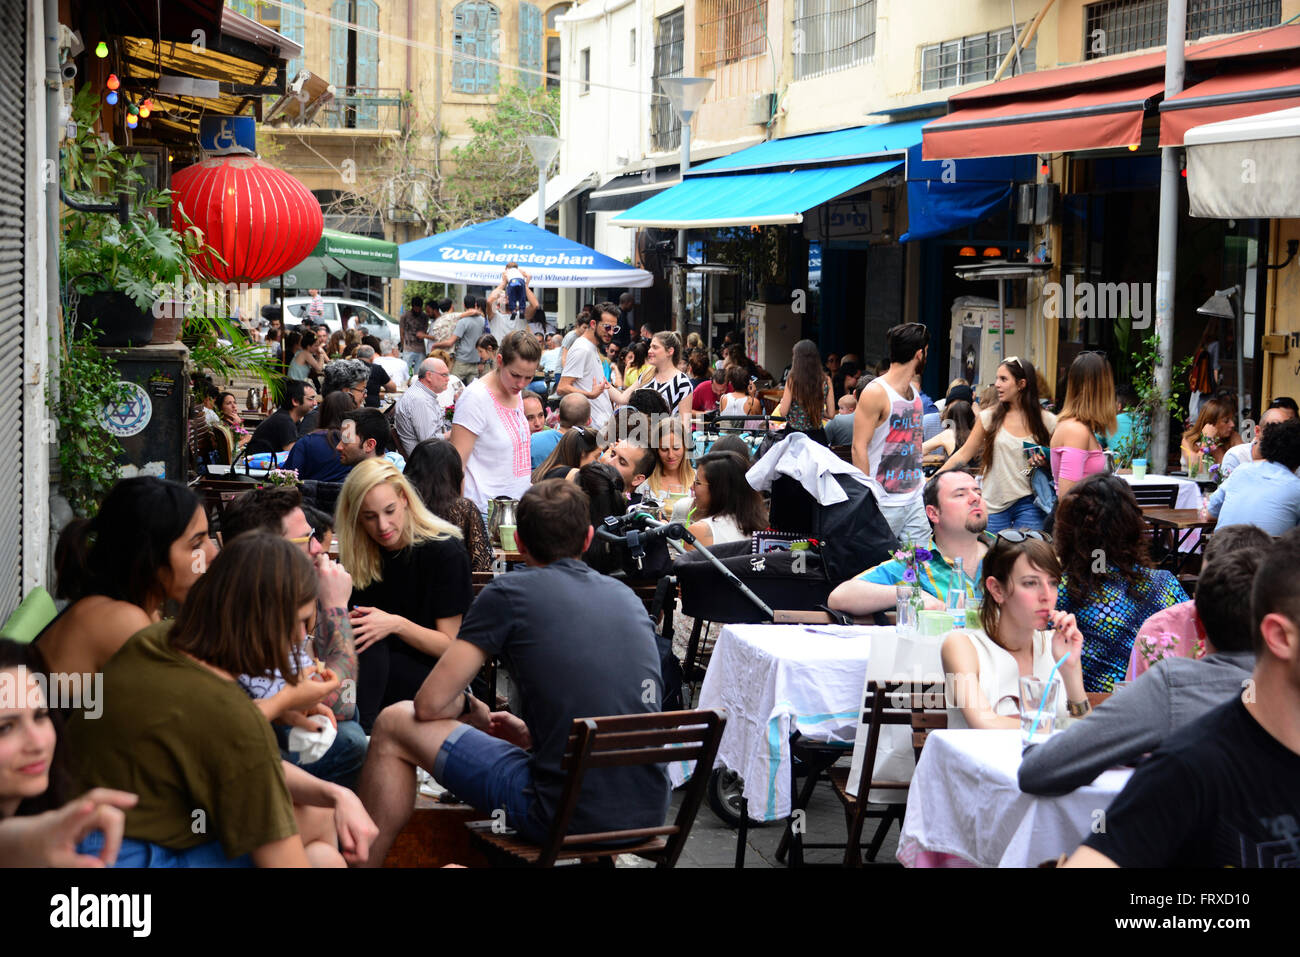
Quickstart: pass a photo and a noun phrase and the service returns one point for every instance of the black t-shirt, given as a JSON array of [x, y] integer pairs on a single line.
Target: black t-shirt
[[1220, 792], [422, 583], [310, 422], [571, 664], [278, 431], [379, 378]]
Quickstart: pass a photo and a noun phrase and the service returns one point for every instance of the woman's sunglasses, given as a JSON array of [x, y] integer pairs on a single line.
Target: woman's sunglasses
[[1017, 535]]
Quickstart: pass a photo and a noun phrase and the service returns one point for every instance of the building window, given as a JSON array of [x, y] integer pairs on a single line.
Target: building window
[[972, 58], [831, 35], [530, 44], [1121, 26], [669, 60], [354, 62], [553, 42], [730, 31], [292, 26], [475, 32], [585, 64], [631, 55]]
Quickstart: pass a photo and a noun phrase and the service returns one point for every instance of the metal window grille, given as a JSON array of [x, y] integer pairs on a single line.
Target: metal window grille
[[476, 31], [972, 59], [730, 31], [1121, 26], [13, 230], [669, 60], [530, 44], [832, 35]]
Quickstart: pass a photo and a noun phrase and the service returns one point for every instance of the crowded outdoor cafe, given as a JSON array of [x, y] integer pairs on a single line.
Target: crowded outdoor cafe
[[489, 595]]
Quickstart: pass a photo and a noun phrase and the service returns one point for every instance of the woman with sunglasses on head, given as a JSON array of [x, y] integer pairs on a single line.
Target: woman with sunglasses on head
[[1214, 430], [1011, 438], [1079, 444], [662, 375], [577, 448], [1108, 584], [1020, 634], [434, 468]]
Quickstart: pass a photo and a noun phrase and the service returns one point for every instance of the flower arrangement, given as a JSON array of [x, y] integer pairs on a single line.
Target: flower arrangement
[[282, 477], [910, 592]]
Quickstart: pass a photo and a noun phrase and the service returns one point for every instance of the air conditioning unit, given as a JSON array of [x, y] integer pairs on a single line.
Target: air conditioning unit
[[1036, 203], [761, 106]]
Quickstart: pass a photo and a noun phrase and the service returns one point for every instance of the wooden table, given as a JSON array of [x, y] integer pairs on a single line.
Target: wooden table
[[1182, 523]]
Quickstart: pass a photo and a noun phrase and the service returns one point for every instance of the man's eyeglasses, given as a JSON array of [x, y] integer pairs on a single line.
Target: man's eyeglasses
[[1017, 535], [303, 539], [610, 329]]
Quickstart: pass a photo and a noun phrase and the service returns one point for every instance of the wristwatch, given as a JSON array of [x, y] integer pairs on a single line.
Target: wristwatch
[[1078, 709], [468, 698]]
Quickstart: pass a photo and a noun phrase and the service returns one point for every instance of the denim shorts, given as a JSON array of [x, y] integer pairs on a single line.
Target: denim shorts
[[489, 774], [135, 853]]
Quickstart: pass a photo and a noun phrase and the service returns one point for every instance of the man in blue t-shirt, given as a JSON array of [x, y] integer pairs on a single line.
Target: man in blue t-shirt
[[567, 664]]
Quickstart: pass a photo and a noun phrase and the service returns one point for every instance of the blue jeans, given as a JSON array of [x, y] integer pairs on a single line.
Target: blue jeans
[[490, 774], [136, 853], [1022, 513], [341, 763]]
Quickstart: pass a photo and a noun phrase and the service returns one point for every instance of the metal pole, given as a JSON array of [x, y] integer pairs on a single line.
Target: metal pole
[[681, 233], [1002, 323], [1239, 333], [541, 195], [1167, 243]]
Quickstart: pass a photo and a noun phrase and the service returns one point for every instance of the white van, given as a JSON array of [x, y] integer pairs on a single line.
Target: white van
[[374, 322]]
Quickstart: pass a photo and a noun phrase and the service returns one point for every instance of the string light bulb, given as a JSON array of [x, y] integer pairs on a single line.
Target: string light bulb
[[1133, 147], [101, 49], [111, 99], [1044, 167], [144, 110], [131, 121], [112, 82]]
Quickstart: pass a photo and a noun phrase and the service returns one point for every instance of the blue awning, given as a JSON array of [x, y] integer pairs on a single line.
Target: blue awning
[[777, 181], [943, 195], [749, 199]]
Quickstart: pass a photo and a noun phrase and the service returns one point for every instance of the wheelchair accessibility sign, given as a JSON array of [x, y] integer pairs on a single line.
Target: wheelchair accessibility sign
[[129, 417], [222, 135]]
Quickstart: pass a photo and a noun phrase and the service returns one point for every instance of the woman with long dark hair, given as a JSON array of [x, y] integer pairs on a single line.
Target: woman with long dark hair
[[958, 420], [603, 486], [435, 469], [806, 403], [577, 447], [1100, 519], [1080, 444], [149, 543], [315, 455], [1012, 438], [729, 509], [1214, 430]]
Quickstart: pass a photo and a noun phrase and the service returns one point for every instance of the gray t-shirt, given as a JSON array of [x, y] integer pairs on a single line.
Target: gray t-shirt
[[468, 331], [570, 664], [839, 430]]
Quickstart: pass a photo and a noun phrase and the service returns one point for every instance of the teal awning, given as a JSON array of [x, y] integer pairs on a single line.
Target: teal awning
[[337, 254], [777, 181]]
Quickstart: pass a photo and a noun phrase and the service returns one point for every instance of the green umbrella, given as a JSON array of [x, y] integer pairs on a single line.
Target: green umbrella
[[335, 255]]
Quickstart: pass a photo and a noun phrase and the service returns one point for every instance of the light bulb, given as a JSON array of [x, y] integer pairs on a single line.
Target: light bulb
[[111, 99], [112, 82], [101, 49], [144, 112], [131, 122]]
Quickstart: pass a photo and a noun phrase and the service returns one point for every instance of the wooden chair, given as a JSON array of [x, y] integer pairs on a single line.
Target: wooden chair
[[200, 442], [1155, 496], [619, 741], [843, 451], [885, 703]]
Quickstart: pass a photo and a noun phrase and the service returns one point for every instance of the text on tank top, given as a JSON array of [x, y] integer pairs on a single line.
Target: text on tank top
[[894, 453]]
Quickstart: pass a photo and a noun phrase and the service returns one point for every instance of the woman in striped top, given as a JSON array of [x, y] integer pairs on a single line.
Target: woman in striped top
[[675, 387]]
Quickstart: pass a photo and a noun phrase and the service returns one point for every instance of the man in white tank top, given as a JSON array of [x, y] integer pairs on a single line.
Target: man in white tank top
[[887, 434]]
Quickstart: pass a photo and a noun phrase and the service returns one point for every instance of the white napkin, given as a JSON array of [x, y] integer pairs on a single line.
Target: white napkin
[[310, 746]]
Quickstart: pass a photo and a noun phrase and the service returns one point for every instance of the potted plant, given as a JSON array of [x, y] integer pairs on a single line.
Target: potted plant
[[1141, 372], [113, 267]]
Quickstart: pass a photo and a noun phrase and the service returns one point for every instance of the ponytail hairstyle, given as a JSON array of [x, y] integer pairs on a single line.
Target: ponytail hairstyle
[[120, 552]]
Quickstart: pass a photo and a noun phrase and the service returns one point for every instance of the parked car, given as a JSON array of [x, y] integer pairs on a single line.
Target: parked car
[[374, 322]]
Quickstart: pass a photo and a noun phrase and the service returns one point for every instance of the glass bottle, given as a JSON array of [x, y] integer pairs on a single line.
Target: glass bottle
[[957, 595]]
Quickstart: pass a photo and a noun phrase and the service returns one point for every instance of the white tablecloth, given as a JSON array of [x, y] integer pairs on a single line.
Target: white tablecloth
[[1189, 496], [772, 679], [965, 801]]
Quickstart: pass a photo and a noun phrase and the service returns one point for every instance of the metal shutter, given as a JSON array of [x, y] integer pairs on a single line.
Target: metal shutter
[[13, 182]]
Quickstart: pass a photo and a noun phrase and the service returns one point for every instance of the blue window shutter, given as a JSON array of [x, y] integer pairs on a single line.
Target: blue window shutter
[[368, 62], [292, 26], [247, 7], [530, 44], [476, 30]]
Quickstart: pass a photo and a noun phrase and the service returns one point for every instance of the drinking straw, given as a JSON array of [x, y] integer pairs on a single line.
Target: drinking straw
[[1039, 714]]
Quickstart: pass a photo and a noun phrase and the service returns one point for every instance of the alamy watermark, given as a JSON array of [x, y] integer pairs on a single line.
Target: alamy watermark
[[1099, 300], [61, 691]]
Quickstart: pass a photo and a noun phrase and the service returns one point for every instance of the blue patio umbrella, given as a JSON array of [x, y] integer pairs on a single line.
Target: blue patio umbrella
[[476, 255]]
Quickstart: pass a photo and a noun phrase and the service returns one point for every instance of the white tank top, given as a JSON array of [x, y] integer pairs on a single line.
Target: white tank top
[[894, 451], [999, 677]]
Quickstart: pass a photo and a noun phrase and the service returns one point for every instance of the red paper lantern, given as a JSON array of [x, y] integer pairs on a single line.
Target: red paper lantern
[[259, 219]]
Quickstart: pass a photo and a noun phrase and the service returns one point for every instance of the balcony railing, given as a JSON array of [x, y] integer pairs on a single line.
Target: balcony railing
[[364, 108]]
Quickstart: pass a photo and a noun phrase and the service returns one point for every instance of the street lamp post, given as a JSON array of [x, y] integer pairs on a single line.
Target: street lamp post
[[543, 149], [685, 93]]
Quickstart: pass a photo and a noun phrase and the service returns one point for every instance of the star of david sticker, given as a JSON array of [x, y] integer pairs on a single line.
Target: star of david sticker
[[127, 412]]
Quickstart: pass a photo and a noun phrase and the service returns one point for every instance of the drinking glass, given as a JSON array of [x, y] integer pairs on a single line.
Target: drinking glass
[[1034, 691], [907, 619], [1139, 469]]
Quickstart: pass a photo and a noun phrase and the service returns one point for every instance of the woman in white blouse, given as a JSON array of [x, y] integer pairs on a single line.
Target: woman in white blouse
[[1022, 634]]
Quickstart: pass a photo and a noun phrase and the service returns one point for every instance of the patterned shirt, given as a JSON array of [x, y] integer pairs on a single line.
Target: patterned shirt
[[413, 323], [1110, 619], [936, 574]]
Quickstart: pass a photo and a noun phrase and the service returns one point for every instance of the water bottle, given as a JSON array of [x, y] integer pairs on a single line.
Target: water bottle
[[957, 595]]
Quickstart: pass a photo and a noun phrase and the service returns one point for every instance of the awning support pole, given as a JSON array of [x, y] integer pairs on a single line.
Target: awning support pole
[[1167, 243]]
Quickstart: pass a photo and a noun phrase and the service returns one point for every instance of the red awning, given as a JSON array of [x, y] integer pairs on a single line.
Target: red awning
[[1228, 97], [1100, 104], [1094, 119]]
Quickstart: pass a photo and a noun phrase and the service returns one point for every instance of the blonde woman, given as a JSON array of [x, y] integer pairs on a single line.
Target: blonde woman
[[673, 476], [411, 584], [1079, 443]]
